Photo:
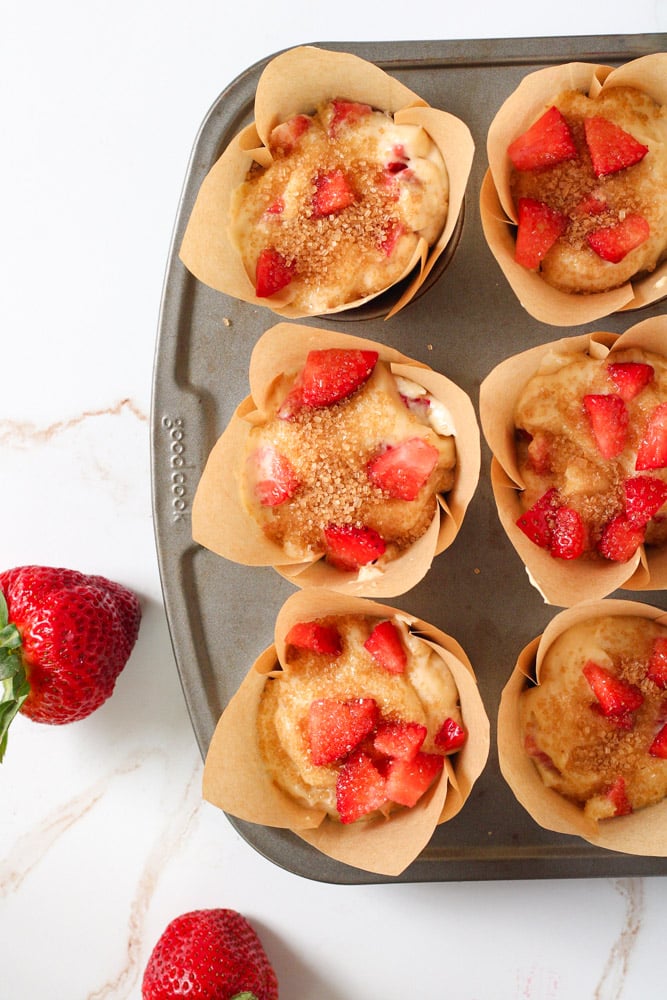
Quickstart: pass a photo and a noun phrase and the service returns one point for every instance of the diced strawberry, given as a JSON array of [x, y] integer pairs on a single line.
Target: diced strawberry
[[613, 243], [392, 234], [539, 453], [333, 193], [541, 756], [272, 273], [568, 537], [273, 476], [618, 797], [336, 728], [350, 546], [652, 451], [346, 113], [285, 137], [630, 377], [538, 521], [402, 469], [451, 736], [616, 698], [620, 538], [419, 405], [407, 780], [611, 147], [538, 229], [658, 747], [608, 418], [591, 204], [315, 636], [547, 142], [399, 739], [360, 788], [386, 647], [644, 496], [657, 664], [276, 207], [395, 167], [332, 374]]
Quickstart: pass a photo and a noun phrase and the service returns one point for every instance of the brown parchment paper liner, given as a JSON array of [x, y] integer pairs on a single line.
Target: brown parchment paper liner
[[222, 522], [535, 94], [643, 832], [235, 777], [561, 582], [294, 82]]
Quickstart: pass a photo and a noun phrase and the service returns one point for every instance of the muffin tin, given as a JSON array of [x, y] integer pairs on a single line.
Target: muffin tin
[[221, 615]]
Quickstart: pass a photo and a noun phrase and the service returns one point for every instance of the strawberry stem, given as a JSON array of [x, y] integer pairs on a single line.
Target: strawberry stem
[[14, 686]]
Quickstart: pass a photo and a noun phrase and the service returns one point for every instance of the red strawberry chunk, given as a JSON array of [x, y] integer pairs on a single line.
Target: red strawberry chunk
[[618, 797], [349, 546], [539, 453], [360, 788], [315, 636], [658, 747], [386, 647], [538, 521], [333, 193], [547, 142], [608, 417], [274, 478], [402, 469], [347, 113], [615, 697], [451, 736], [332, 374], [533, 749], [272, 273], [613, 243], [568, 538], [644, 496], [652, 451], [620, 538], [407, 780], [285, 137], [611, 147], [538, 229], [336, 728], [657, 664], [392, 234], [591, 204], [630, 377], [399, 739]]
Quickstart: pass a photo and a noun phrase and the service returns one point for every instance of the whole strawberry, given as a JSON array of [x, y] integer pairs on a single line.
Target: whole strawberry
[[64, 638], [209, 955]]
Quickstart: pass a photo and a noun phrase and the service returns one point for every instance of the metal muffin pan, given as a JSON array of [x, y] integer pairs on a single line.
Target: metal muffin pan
[[221, 615]]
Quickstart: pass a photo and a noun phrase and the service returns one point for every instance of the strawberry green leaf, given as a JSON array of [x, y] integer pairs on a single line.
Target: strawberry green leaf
[[14, 686]]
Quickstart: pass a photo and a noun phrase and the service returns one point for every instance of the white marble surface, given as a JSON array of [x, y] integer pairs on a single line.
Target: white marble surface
[[105, 835]]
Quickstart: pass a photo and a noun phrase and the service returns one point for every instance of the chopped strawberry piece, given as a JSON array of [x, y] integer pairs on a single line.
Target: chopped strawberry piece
[[274, 478], [617, 795], [386, 647], [652, 451], [568, 538], [402, 469], [399, 739], [451, 736], [276, 207], [539, 453], [392, 234], [315, 636], [360, 788], [419, 405], [395, 167], [644, 496], [611, 147], [541, 756], [285, 137], [613, 243], [630, 377], [615, 697], [620, 538], [658, 747], [591, 204], [272, 273], [538, 229], [350, 546], [547, 142], [333, 193], [407, 780], [336, 728], [657, 664], [332, 374], [538, 521], [346, 113], [608, 418]]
